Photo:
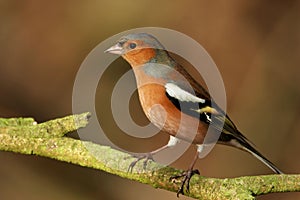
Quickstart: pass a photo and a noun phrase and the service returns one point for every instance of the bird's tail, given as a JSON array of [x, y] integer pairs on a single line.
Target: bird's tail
[[244, 144]]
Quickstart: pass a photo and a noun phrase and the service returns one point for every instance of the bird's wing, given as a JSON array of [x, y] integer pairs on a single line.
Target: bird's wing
[[200, 108], [189, 103]]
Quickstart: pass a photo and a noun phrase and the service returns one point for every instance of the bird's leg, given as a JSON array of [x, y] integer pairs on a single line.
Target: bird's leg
[[188, 174], [149, 156]]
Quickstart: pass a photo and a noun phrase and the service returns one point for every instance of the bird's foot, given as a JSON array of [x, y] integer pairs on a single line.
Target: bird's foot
[[186, 180], [144, 156]]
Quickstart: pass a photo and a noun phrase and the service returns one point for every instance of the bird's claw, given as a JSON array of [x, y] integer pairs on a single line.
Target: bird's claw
[[186, 180], [147, 156]]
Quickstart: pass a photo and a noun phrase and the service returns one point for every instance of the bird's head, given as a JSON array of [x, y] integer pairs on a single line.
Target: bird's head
[[139, 48]]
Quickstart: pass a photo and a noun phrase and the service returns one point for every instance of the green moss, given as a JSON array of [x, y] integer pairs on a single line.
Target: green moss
[[47, 140], [20, 121]]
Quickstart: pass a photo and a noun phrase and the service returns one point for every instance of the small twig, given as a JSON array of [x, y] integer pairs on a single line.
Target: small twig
[[27, 127]]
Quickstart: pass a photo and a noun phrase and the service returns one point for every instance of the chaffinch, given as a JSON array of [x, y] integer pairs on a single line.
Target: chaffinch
[[162, 81]]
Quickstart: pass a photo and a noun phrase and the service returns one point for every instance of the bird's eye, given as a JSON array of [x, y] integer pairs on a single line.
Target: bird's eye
[[132, 45]]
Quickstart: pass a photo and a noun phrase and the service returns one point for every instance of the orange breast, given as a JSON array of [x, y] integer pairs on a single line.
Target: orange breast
[[162, 113]]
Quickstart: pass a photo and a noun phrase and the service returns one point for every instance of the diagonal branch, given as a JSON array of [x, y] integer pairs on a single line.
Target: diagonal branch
[[46, 139]]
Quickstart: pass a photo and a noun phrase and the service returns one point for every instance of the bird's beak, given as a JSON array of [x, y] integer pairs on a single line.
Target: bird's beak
[[116, 49]]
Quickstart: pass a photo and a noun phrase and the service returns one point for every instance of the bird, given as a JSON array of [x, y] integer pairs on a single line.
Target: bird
[[186, 103]]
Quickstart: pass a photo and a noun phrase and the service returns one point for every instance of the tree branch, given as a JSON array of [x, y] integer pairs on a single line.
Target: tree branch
[[24, 135]]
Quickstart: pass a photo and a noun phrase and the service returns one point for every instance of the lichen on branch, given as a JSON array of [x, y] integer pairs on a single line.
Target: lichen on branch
[[24, 135]]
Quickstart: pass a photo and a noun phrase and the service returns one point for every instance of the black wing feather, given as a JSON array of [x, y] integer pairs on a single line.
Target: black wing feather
[[190, 108]]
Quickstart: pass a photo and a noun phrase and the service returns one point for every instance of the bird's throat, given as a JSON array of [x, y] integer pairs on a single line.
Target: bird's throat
[[139, 57]]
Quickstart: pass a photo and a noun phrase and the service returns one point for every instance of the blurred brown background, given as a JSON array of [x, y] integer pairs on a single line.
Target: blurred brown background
[[255, 44]]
